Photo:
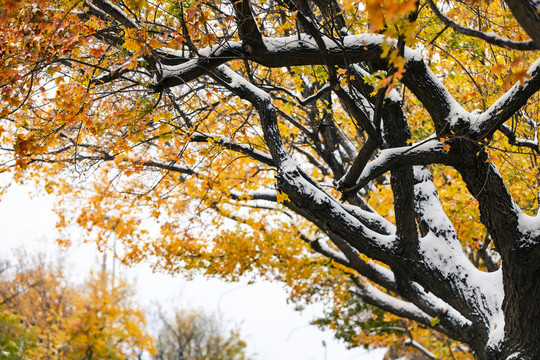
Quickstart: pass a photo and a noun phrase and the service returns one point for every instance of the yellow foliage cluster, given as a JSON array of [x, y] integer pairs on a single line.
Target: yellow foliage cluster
[[90, 320]]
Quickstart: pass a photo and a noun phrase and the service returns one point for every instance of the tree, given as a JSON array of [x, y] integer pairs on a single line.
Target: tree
[[195, 335], [303, 140], [16, 342], [51, 318]]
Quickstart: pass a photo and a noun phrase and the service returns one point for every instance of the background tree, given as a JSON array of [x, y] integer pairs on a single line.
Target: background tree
[[195, 335], [60, 320], [16, 341], [305, 141]]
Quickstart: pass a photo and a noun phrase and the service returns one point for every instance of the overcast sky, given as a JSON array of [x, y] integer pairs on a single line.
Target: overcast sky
[[273, 330]]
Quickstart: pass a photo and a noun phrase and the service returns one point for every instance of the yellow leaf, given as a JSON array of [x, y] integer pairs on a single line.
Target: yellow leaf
[[155, 43], [282, 197]]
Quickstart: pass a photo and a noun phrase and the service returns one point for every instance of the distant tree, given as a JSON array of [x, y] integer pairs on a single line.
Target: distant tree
[[88, 321], [16, 340], [195, 335]]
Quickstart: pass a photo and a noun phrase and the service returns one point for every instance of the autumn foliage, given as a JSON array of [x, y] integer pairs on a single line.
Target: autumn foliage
[[278, 139], [49, 316]]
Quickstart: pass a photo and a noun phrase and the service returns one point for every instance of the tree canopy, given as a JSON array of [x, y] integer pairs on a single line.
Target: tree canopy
[[376, 155], [45, 315], [196, 335]]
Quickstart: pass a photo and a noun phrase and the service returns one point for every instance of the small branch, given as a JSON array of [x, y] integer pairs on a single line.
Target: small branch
[[362, 119], [507, 105], [412, 343], [228, 144], [513, 140], [169, 167], [351, 177], [423, 153], [487, 37], [323, 90]]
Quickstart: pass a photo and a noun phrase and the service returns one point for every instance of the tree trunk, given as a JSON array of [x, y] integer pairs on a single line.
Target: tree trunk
[[521, 306]]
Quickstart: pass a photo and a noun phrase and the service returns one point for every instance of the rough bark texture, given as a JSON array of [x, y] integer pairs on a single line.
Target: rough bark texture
[[526, 13]]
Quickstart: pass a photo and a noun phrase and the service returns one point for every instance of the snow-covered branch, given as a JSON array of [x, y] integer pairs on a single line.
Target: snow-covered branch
[[477, 294], [303, 50], [227, 143], [426, 152], [371, 295], [507, 105], [420, 347], [490, 37], [116, 13]]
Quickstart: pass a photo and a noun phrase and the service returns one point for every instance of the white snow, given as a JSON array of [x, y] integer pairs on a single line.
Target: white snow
[[336, 254], [496, 330], [429, 145], [501, 102], [390, 301], [132, 23], [442, 252], [383, 271], [529, 227]]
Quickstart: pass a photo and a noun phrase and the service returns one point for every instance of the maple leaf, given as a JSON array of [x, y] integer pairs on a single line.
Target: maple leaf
[[282, 197]]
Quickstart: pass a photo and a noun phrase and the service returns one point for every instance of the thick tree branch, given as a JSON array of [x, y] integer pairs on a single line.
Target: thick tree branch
[[527, 14], [426, 152], [303, 50], [248, 30], [507, 105]]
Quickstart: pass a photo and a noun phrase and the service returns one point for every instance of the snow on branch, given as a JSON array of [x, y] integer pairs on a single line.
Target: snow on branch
[[320, 246], [268, 195], [440, 309], [428, 206], [188, 69], [377, 273], [425, 152], [478, 295], [371, 295], [323, 90], [507, 105], [419, 347], [490, 37], [301, 50], [327, 212], [227, 143], [116, 13]]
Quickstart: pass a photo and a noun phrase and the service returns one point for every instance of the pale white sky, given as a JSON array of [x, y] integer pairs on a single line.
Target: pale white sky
[[272, 328]]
